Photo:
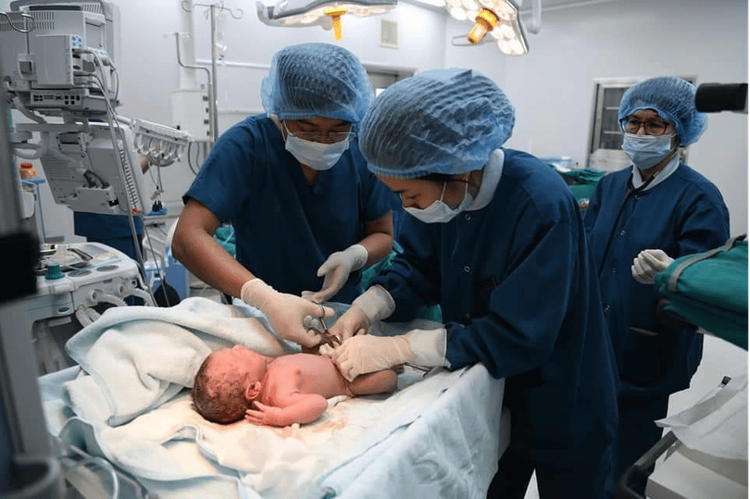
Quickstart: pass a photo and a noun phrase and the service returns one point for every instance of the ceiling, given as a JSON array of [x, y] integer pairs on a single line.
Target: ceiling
[[439, 5], [558, 4]]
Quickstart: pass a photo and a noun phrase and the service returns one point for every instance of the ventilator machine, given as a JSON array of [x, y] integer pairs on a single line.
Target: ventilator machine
[[59, 66]]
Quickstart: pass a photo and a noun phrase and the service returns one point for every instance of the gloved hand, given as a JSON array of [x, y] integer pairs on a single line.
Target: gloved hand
[[336, 270], [351, 322], [284, 312], [366, 353], [648, 263], [375, 304]]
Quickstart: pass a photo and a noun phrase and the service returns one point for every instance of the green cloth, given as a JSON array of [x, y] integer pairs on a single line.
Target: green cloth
[[587, 176], [224, 235], [582, 183], [710, 289]]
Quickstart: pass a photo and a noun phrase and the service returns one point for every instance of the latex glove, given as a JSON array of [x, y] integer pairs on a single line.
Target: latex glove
[[648, 263], [336, 270], [284, 312], [375, 304], [366, 353], [352, 322]]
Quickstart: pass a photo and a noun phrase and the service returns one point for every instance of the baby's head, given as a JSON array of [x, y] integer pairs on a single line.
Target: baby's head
[[227, 382]]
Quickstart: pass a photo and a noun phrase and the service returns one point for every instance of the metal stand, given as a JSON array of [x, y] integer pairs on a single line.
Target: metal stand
[[632, 484], [28, 468]]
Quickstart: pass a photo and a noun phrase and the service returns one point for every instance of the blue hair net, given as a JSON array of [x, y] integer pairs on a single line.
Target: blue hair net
[[316, 79], [441, 121], [673, 99]]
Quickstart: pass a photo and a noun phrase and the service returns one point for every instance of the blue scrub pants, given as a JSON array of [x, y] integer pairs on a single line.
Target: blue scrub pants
[[636, 431], [584, 478]]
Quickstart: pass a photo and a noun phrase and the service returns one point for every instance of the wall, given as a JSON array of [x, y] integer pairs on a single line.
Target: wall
[[553, 86], [151, 72]]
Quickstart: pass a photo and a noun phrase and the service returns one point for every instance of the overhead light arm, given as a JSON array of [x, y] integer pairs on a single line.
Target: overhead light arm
[[499, 18], [535, 25], [324, 13]]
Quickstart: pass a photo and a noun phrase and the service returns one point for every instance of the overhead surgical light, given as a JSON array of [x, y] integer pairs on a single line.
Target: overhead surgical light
[[325, 13], [499, 18]]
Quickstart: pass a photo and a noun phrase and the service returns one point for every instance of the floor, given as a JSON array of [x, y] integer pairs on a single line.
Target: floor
[[720, 359]]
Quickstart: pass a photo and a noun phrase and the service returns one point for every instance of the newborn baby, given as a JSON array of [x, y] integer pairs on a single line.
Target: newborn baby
[[236, 382]]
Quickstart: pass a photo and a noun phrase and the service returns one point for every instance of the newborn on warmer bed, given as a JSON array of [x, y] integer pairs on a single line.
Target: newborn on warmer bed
[[129, 401], [236, 382]]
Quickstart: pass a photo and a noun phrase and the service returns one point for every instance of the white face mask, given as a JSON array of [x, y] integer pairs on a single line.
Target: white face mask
[[439, 212], [646, 151], [314, 154]]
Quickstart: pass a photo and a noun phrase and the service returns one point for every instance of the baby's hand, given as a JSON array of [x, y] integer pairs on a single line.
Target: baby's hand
[[264, 415]]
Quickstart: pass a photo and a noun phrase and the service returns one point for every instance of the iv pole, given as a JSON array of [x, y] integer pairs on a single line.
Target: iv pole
[[213, 101]]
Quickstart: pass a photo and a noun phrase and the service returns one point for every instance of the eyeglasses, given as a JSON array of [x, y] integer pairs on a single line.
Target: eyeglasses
[[652, 127], [324, 138]]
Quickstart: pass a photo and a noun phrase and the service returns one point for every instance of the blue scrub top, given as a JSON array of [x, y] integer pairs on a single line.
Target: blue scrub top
[[285, 228], [681, 215], [518, 293], [96, 226]]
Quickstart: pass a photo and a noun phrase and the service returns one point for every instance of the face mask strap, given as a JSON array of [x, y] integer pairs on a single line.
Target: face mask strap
[[442, 195]]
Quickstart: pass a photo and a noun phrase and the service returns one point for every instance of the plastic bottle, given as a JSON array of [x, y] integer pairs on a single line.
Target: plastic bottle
[[27, 171]]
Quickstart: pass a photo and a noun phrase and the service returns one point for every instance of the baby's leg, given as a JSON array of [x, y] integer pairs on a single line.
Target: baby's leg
[[372, 383]]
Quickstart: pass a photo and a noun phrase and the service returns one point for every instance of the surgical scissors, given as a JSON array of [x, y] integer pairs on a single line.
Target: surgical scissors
[[331, 339]]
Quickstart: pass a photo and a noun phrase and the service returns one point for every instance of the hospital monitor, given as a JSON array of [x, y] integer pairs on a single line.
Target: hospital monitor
[[49, 55], [59, 61]]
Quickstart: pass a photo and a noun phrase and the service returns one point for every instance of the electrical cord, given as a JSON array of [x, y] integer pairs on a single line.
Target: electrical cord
[[103, 463], [112, 120]]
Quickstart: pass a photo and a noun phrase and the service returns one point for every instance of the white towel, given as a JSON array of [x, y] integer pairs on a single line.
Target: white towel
[[137, 358]]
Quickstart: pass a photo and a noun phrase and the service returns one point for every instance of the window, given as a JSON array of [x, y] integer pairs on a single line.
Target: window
[[383, 78]]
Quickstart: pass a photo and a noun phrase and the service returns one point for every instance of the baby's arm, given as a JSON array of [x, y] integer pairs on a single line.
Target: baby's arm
[[384, 381], [298, 408]]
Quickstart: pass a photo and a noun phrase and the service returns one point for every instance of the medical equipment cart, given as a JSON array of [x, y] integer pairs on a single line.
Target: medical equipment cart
[[683, 474]]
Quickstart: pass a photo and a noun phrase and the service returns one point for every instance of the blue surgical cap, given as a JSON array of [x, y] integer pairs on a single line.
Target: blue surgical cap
[[316, 79], [673, 99], [442, 121]]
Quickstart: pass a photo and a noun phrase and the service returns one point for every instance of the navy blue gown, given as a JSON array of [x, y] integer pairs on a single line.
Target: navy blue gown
[[682, 214], [518, 292]]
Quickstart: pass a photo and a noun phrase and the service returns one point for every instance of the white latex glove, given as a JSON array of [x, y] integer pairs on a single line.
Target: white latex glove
[[648, 263], [284, 312], [336, 270], [366, 353], [351, 322], [375, 304]]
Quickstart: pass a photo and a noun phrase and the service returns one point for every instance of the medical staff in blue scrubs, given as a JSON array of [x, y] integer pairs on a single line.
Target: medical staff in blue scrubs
[[661, 205], [496, 238], [307, 213]]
